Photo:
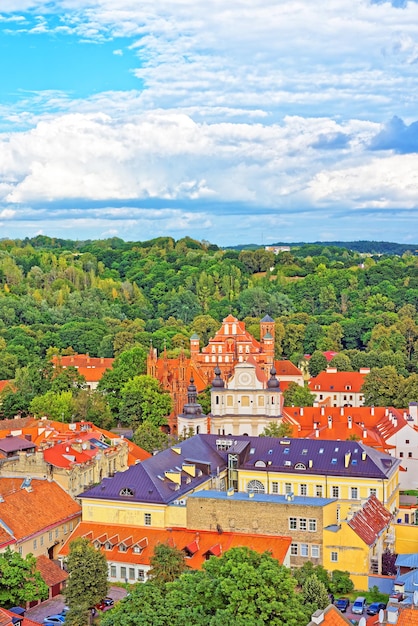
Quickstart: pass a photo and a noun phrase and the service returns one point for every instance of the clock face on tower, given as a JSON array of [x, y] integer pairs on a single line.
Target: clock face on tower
[[244, 378]]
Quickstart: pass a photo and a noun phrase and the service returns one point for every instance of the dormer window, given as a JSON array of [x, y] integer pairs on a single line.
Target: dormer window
[[126, 491]]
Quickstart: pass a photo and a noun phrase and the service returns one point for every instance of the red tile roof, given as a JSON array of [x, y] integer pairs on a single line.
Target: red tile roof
[[50, 571], [331, 617], [6, 618], [332, 382], [92, 368], [408, 617], [198, 544], [370, 521], [28, 511]]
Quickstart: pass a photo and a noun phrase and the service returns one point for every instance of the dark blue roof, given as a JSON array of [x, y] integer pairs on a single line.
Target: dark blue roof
[[147, 482]]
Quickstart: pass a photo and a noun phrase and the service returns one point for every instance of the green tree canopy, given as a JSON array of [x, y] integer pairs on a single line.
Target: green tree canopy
[[167, 564], [87, 584], [150, 437], [296, 395], [143, 399], [382, 386], [277, 430], [20, 581]]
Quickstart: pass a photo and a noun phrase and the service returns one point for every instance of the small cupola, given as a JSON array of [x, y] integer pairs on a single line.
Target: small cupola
[[272, 382], [217, 382]]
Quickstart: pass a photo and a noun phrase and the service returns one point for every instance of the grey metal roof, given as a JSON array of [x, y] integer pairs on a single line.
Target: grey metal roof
[[407, 560], [262, 497], [14, 444]]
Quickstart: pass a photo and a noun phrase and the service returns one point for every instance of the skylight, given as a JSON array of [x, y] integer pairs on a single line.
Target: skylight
[[334, 461]]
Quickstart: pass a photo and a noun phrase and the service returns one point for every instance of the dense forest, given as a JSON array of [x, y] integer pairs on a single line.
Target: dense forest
[[108, 297]]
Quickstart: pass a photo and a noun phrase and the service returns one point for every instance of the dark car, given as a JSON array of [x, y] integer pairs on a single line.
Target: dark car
[[342, 604], [375, 607]]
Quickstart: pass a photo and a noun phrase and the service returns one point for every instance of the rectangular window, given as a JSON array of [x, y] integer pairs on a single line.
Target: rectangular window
[[334, 557], [302, 523], [113, 571], [304, 549], [147, 519], [406, 440], [65, 529], [131, 573], [20, 550], [42, 541], [50, 535], [318, 491], [312, 525], [354, 493], [335, 491], [56, 533], [287, 488], [274, 487], [229, 401], [372, 492], [315, 552], [123, 572], [409, 455], [141, 575], [35, 544], [292, 523], [303, 489], [294, 549], [401, 455]]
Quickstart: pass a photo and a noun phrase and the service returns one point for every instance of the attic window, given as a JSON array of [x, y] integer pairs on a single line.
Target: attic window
[[270, 452], [321, 451], [305, 451], [300, 466], [126, 491], [252, 450], [334, 461], [286, 451], [260, 464], [354, 462], [336, 449]]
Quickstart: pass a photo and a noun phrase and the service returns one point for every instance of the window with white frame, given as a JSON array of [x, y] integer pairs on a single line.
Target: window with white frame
[[113, 571], [315, 551], [335, 490], [334, 557], [318, 491], [302, 523], [255, 486], [372, 492], [131, 573], [147, 519], [274, 487], [354, 493], [288, 487], [293, 524], [294, 549], [35, 544], [312, 525], [123, 572], [141, 575], [304, 549], [303, 489]]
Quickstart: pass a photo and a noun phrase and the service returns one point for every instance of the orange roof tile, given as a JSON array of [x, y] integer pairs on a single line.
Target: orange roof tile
[[337, 381], [331, 617], [206, 542], [27, 511], [50, 571], [408, 617]]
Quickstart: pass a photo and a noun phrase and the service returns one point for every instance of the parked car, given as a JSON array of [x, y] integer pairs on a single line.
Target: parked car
[[342, 604], [52, 620], [375, 607], [105, 604], [359, 605]]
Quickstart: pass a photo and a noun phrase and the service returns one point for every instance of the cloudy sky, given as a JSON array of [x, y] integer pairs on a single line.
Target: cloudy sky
[[235, 122]]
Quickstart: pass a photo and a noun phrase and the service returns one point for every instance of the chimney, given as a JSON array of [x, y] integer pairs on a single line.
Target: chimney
[[316, 433], [329, 421], [322, 410], [372, 410], [363, 455], [310, 463], [413, 412], [331, 370], [365, 433], [301, 411], [364, 370], [347, 458], [350, 421], [318, 617], [342, 410]]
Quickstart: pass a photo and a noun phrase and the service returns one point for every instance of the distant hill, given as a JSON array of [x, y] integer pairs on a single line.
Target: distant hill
[[370, 247]]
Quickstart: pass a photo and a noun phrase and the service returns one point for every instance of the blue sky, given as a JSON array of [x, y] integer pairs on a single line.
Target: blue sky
[[247, 121]]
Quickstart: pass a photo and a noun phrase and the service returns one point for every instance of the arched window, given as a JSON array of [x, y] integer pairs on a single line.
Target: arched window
[[300, 466], [255, 486], [260, 464], [126, 492]]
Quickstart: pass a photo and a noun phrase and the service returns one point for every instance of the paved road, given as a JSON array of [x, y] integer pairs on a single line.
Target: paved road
[[50, 607]]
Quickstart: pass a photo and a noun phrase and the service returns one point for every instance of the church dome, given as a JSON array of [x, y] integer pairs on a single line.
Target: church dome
[[272, 382], [217, 382]]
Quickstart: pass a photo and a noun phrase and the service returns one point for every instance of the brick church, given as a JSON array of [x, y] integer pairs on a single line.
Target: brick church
[[232, 344]]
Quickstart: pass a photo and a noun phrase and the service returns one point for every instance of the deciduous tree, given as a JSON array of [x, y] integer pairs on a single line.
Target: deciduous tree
[[20, 581]]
